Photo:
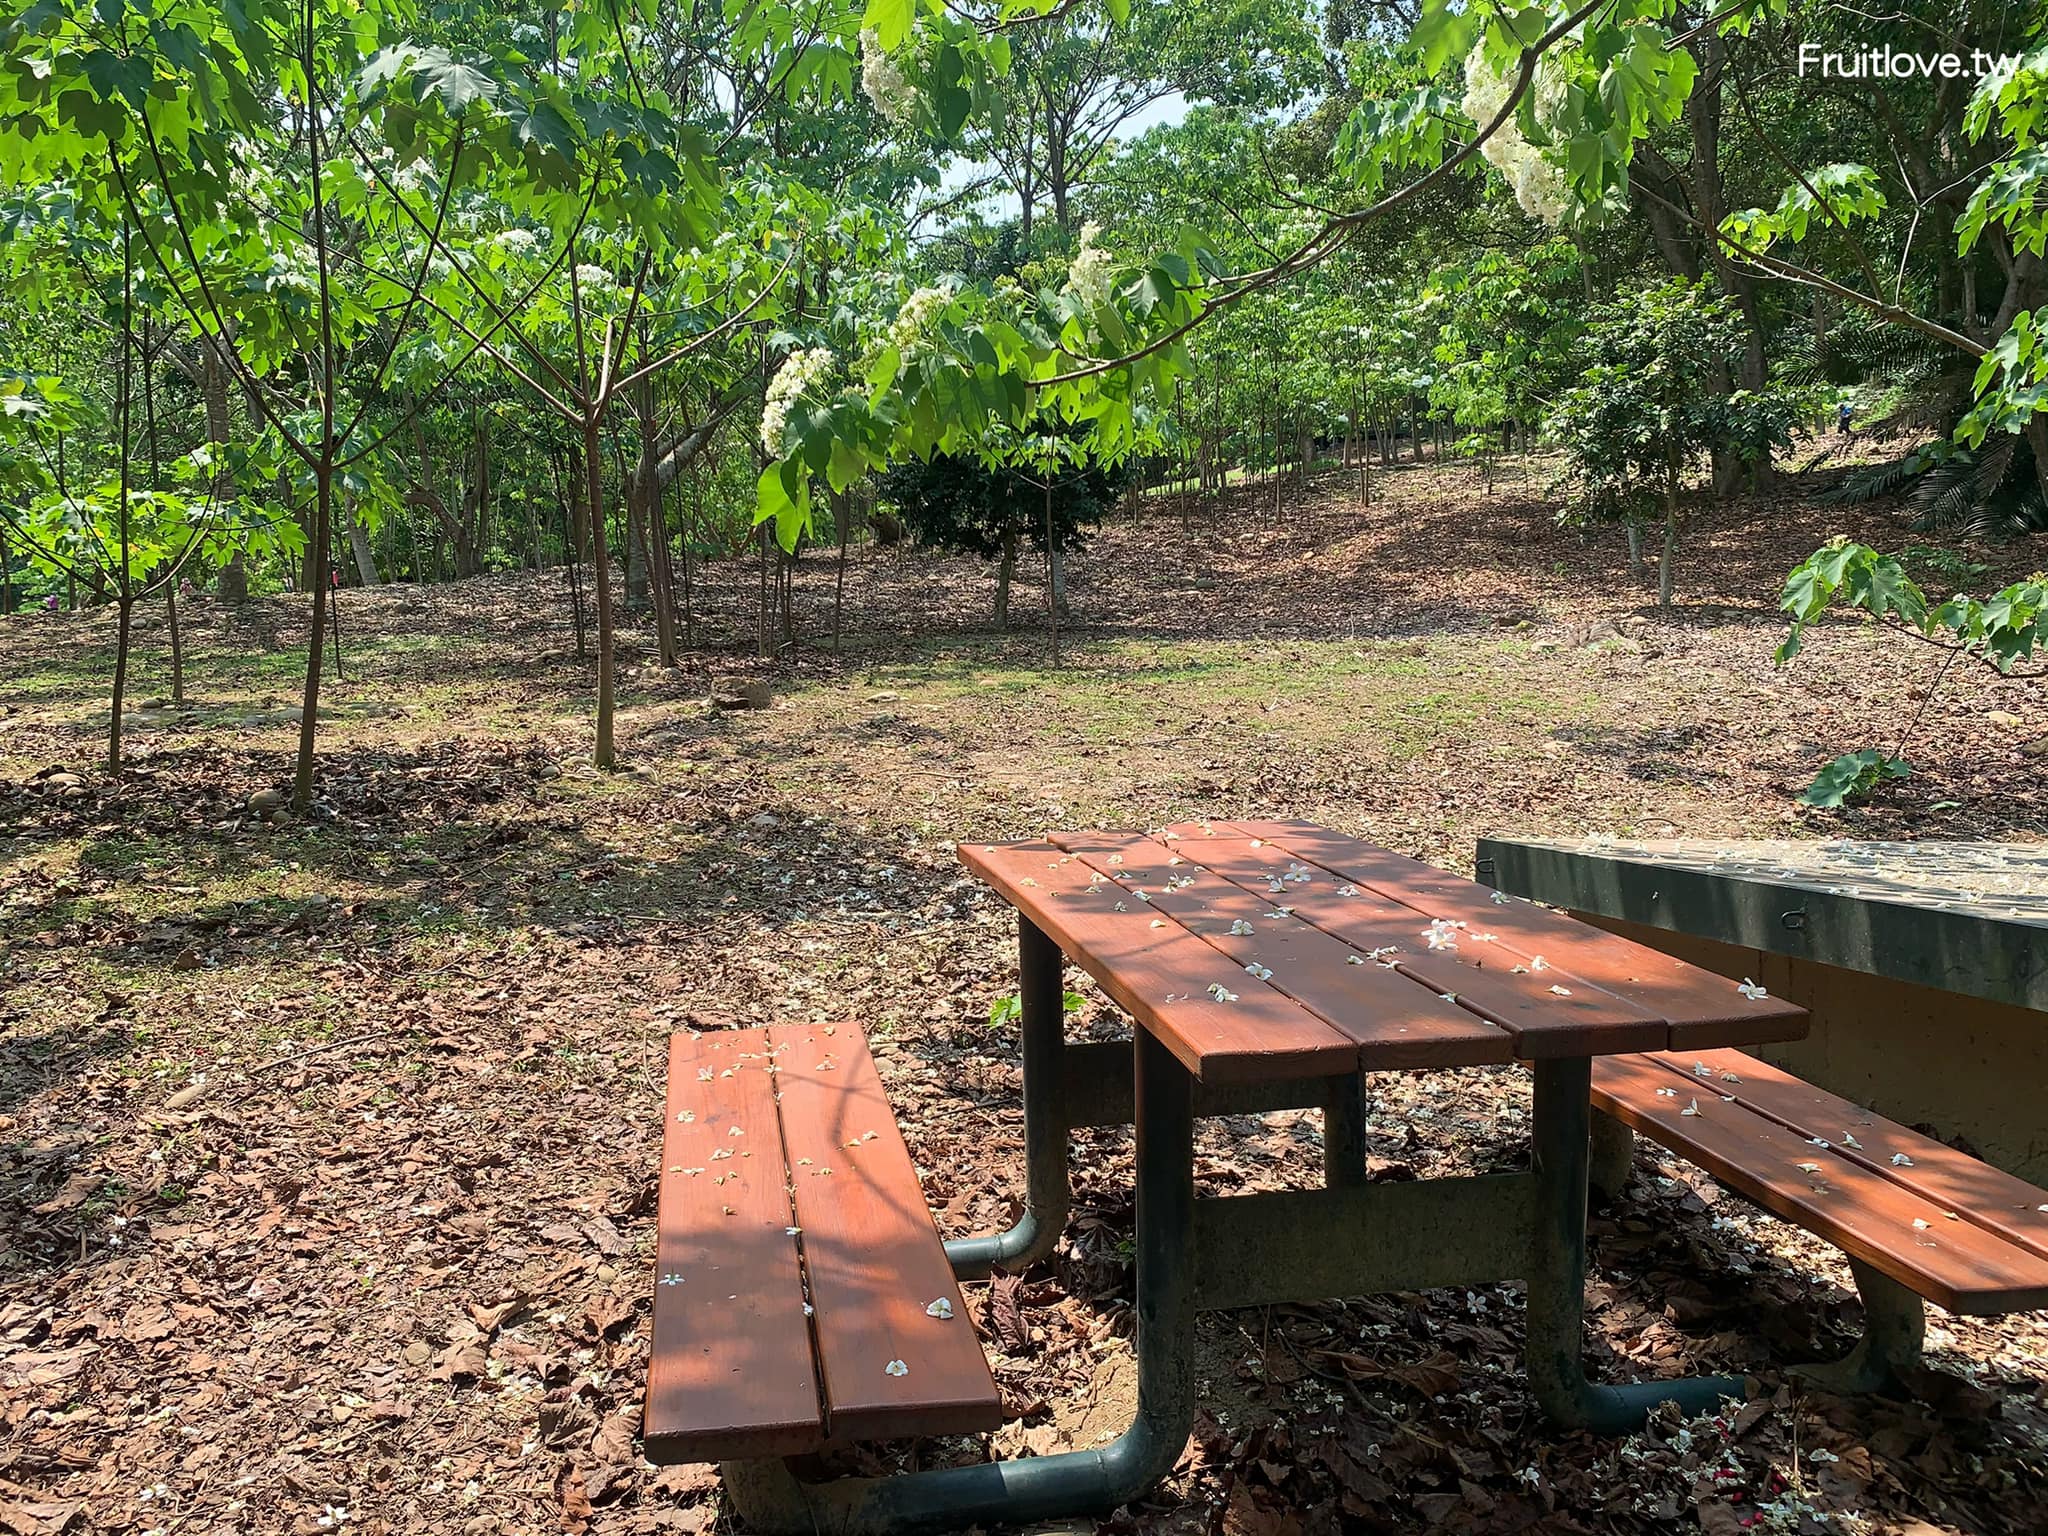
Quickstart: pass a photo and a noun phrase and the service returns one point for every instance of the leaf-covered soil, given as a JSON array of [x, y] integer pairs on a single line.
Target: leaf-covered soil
[[327, 1147]]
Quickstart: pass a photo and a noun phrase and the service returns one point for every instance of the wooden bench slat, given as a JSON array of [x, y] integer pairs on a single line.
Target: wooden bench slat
[[730, 1373], [873, 1256], [1951, 1262], [1990, 1197], [1162, 976], [1580, 1019], [1396, 1022], [1707, 1009]]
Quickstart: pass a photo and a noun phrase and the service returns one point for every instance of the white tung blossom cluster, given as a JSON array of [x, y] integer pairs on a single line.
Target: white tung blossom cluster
[[1538, 179], [1091, 276], [800, 374], [884, 81], [915, 319]]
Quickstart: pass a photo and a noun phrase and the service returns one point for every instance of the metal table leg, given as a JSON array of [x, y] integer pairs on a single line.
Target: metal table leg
[[1344, 1163], [1076, 1482], [1557, 1275], [1047, 1198]]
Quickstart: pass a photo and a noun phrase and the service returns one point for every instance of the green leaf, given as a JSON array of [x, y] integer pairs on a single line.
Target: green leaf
[[1852, 776], [890, 20]]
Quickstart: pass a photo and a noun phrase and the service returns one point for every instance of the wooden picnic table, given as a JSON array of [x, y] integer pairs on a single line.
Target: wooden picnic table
[[1274, 963], [1266, 965]]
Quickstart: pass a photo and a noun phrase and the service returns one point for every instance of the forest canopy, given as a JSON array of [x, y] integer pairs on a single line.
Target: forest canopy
[[294, 290]]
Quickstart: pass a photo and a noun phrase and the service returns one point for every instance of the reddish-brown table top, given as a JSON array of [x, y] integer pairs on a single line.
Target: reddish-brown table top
[[1260, 949]]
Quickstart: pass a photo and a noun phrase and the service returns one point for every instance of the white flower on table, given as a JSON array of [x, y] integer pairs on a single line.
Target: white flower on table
[[1691, 1109], [1441, 934], [1263, 972], [895, 1368], [1667, 1093], [1241, 927], [1900, 1160], [1849, 1140], [1538, 963], [1347, 890], [671, 1278], [687, 1117], [1919, 1225], [1562, 991], [1499, 898], [1221, 993], [941, 1309], [1751, 990]]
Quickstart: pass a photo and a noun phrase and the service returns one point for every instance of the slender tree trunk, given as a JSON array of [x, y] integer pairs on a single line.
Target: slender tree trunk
[[359, 546], [1004, 572], [1052, 573], [6, 577], [177, 642], [316, 640], [600, 564], [1635, 549], [842, 512], [1670, 541]]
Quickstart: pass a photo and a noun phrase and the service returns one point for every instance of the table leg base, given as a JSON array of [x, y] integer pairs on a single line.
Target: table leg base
[[1894, 1331]]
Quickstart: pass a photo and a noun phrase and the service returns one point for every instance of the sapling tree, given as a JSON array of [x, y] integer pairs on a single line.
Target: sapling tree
[[2004, 632], [1649, 409]]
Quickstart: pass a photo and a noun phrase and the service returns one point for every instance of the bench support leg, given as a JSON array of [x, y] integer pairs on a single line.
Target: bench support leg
[[1557, 1275], [1035, 1488], [1344, 1162], [1894, 1328], [1042, 996], [1613, 1154]]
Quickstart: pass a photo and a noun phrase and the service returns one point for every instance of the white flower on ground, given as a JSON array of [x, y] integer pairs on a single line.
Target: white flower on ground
[[895, 1368], [942, 1308], [1751, 990], [882, 78], [801, 374], [1091, 278]]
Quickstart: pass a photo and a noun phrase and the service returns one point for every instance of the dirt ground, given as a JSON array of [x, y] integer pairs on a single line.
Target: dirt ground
[[328, 1147]]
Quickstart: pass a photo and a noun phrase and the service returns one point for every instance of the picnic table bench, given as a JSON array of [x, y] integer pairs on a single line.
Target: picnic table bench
[[1264, 965], [1917, 1219]]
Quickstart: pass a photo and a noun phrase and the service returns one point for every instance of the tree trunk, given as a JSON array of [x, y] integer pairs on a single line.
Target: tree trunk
[[359, 545], [1670, 542], [1635, 549], [177, 643], [600, 564], [309, 698], [1004, 572]]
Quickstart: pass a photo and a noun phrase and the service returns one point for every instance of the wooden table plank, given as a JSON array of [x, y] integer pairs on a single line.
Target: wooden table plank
[[873, 1256], [1397, 1022], [729, 1343], [1950, 1261], [1956, 1181], [1550, 1012], [1222, 1024], [1704, 1010]]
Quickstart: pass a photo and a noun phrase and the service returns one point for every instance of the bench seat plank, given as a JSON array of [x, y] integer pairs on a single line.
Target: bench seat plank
[[873, 1257], [1162, 976], [730, 1373], [1396, 1022], [1990, 1197], [1578, 1019], [1898, 1231], [1707, 1009]]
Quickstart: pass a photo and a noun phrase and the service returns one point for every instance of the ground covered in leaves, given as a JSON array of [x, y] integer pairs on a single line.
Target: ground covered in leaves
[[328, 1146]]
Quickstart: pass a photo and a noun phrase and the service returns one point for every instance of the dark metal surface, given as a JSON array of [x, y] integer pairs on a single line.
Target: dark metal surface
[[1964, 917], [1047, 1195], [1309, 1245], [1894, 1328], [1557, 1276]]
